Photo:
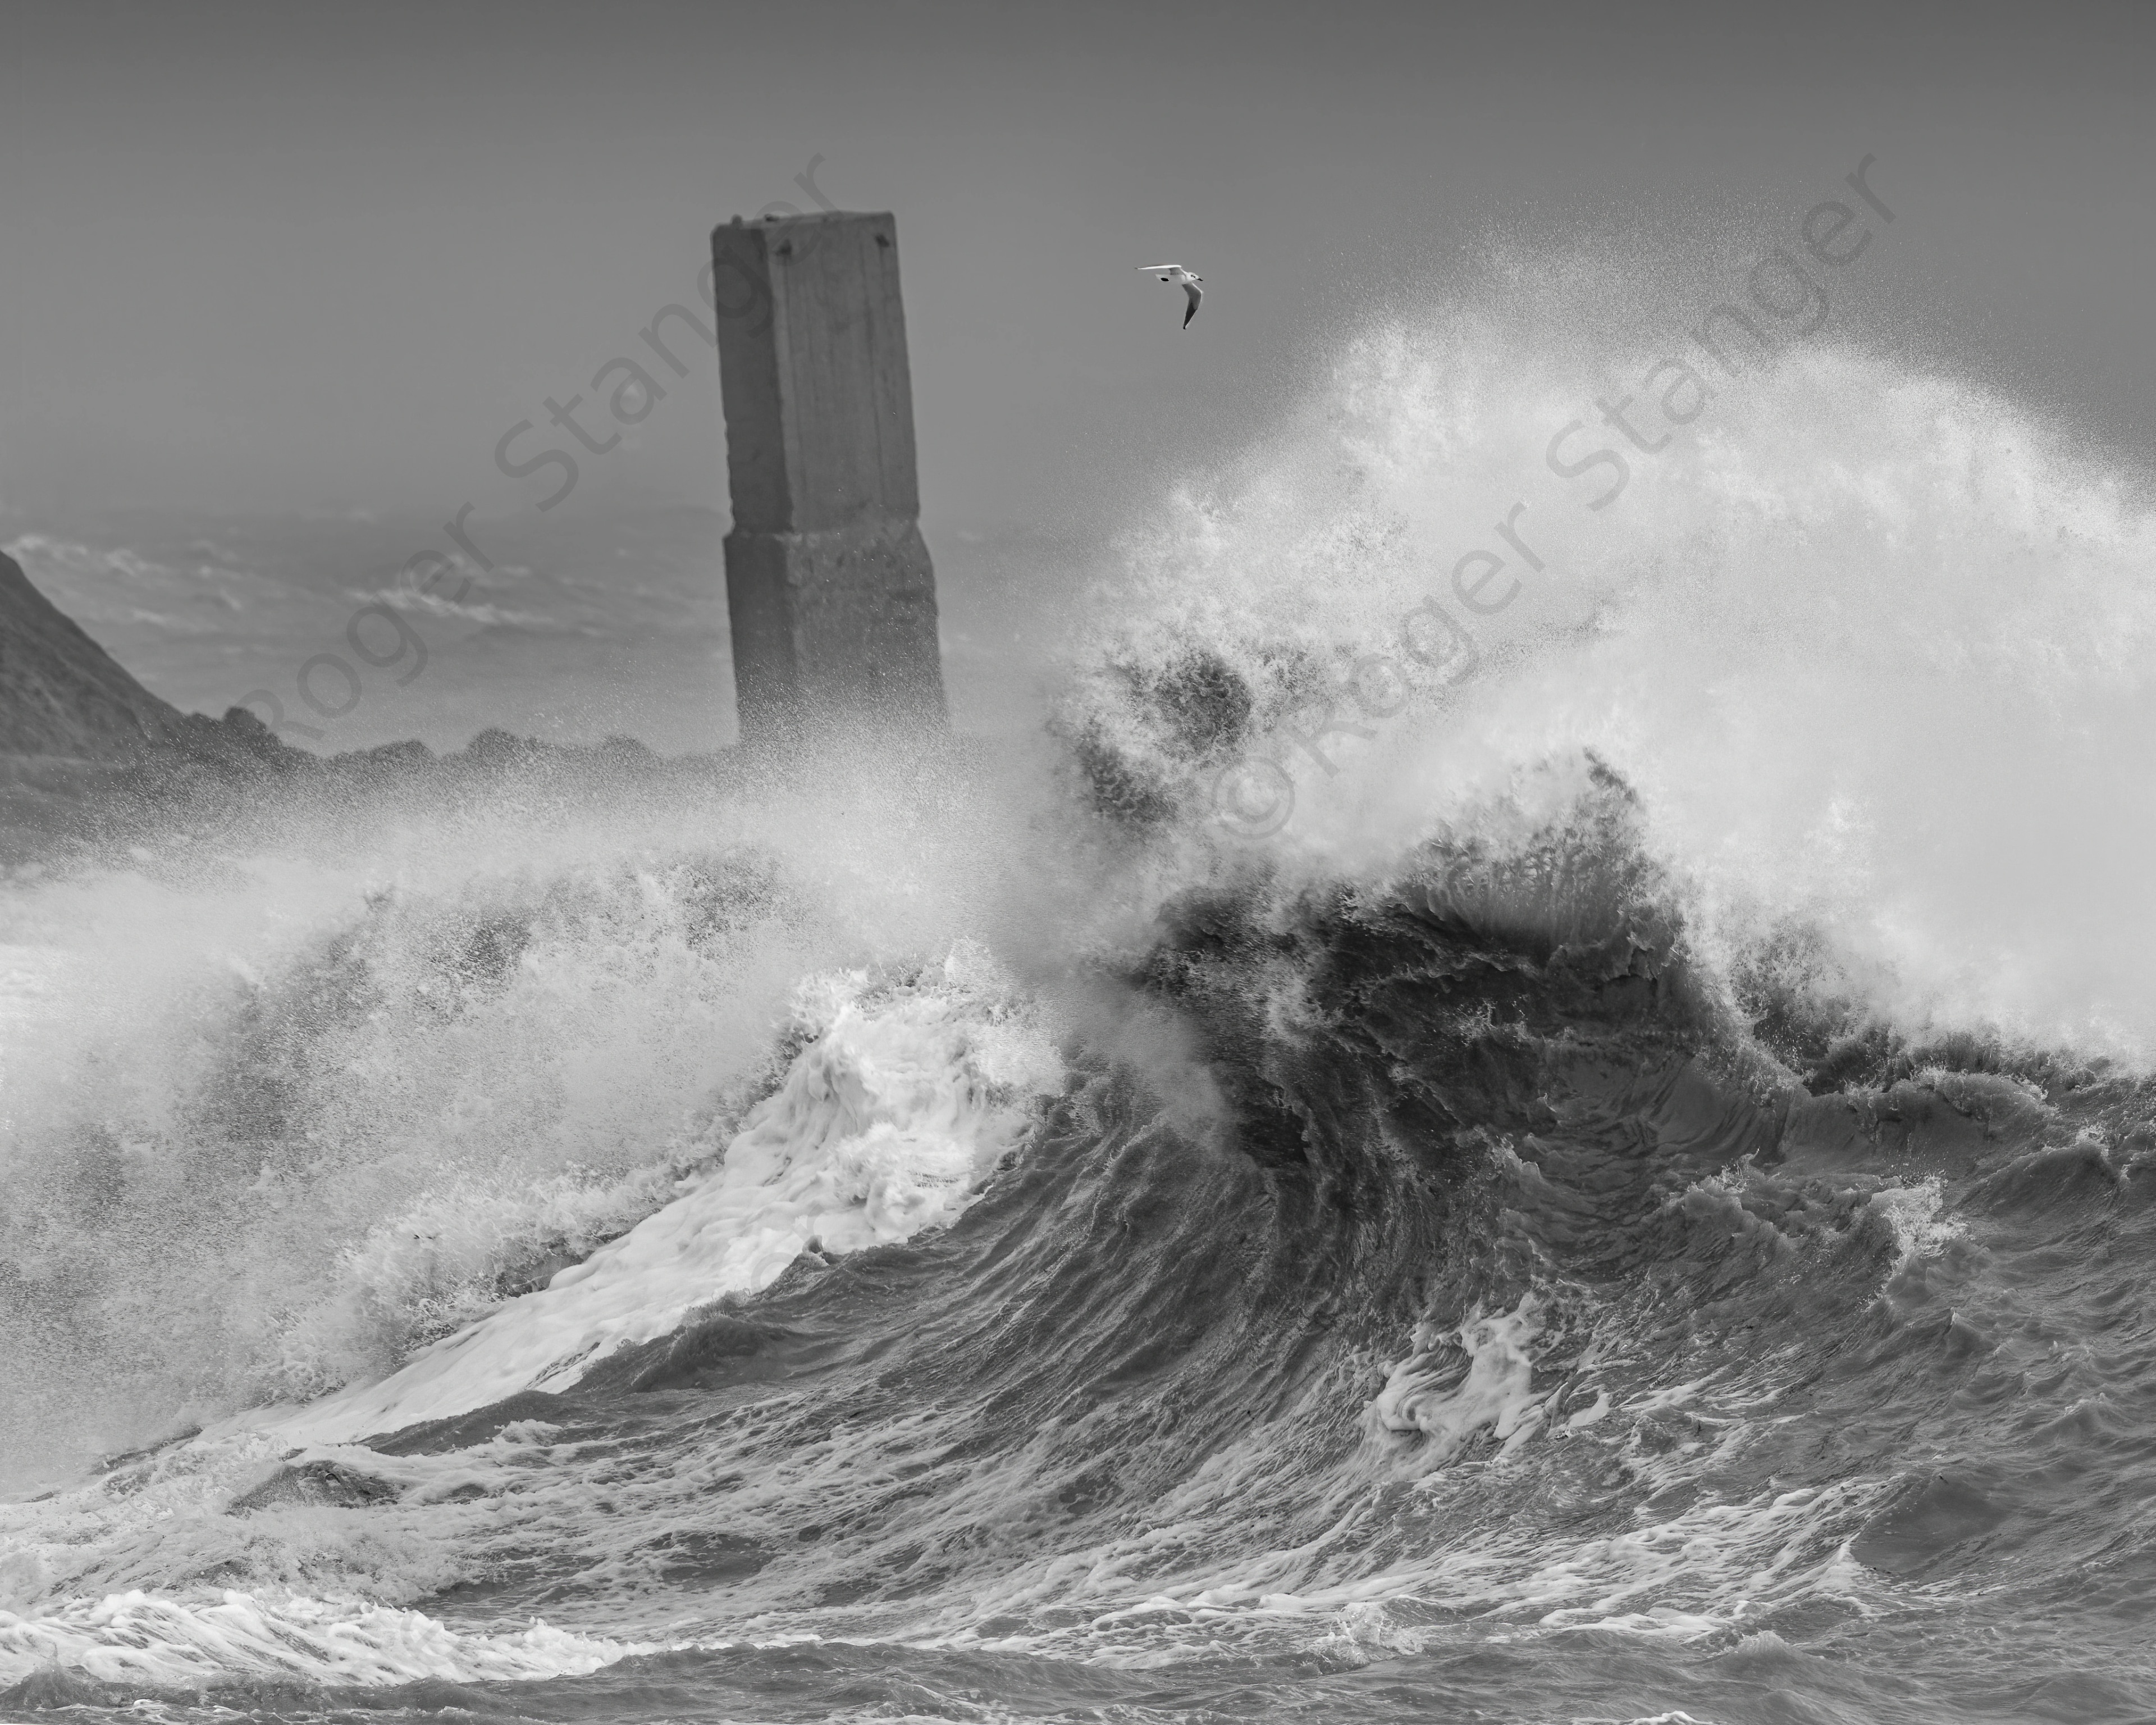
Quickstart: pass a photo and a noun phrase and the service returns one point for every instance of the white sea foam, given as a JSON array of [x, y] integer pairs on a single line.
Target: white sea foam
[[1429, 1392], [1717, 1565], [1864, 641], [154, 1640], [883, 1126], [325, 1117], [282, 1106], [1916, 1214]]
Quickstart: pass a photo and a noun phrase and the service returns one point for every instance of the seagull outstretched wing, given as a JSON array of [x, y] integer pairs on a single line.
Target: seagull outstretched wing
[[1182, 278]]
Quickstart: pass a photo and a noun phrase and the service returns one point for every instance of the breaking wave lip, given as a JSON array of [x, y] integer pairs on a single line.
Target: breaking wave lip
[[1862, 640], [901, 1105]]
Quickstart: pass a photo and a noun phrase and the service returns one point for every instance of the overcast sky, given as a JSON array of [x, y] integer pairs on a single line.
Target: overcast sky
[[303, 257]]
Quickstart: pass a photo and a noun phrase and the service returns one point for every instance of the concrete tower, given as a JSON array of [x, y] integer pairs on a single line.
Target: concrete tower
[[828, 586]]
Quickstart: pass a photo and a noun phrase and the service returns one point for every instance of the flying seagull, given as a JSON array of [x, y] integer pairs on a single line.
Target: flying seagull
[[1177, 272]]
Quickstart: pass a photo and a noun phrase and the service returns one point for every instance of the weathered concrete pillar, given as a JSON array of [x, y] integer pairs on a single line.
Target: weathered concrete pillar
[[828, 586]]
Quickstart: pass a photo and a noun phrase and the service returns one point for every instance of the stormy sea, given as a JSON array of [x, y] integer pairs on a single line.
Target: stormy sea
[[1590, 1159]]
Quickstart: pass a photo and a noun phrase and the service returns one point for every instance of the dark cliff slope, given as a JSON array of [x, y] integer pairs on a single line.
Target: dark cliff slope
[[61, 694]]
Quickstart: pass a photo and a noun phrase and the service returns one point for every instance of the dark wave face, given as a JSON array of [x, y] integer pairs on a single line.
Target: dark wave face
[[1630, 1201]]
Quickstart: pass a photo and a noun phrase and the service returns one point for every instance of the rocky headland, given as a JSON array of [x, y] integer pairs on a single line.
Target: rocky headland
[[94, 765]]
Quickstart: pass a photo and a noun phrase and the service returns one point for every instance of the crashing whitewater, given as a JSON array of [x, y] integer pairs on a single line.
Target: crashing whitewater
[[1631, 1202]]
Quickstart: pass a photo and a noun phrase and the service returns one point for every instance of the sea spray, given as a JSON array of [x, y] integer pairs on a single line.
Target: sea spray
[[1870, 647], [901, 1105], [1656, 1015]]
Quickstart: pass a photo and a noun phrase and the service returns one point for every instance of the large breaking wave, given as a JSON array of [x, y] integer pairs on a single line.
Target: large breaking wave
[[1632, 1199]]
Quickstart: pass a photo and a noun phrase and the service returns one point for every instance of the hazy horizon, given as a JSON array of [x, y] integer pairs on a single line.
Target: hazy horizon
[[268, 263]]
